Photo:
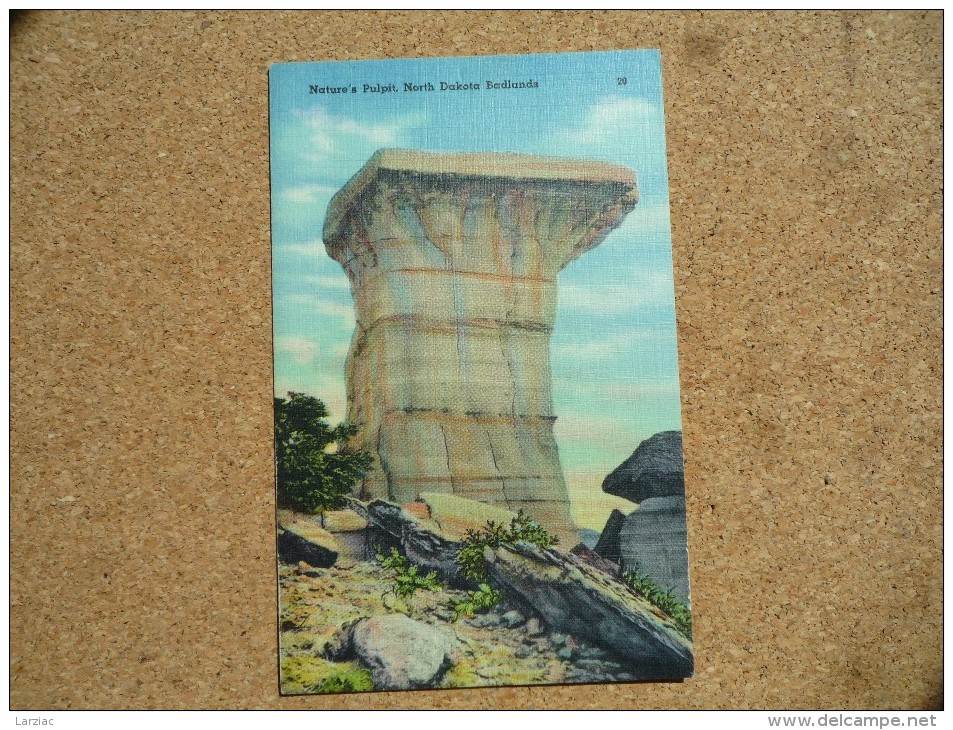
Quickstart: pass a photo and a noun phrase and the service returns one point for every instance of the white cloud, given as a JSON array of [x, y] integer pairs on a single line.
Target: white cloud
[[315, 194], [624, 130], [329, 389], [638, 288], [610, 116], [646, 222], [603, 347], [301, 350], [328, 133], [314, 249], [314, 303], [328, 281]]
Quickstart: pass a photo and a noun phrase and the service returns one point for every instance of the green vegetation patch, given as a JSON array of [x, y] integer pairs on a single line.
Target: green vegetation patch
[[478, 601], [521, 529], [473, 564], [313, 675], [407, 577], [316, 469], [665, 601]]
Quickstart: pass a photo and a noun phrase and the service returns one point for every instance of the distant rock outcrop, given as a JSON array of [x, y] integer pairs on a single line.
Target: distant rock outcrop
[[608, 545], [655, 469], [653, 542]]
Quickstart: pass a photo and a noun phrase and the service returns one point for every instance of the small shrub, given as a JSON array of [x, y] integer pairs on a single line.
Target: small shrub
[[478, 601], [522, 529], [407, 577], [663, 600]]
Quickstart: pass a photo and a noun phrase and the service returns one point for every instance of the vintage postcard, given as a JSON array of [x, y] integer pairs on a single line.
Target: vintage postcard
[[477, 424]]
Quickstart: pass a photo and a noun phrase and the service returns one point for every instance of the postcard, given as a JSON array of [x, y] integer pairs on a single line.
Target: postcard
[[478, 443]]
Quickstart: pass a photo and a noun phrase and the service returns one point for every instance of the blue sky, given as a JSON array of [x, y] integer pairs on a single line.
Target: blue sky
[[615, 371]]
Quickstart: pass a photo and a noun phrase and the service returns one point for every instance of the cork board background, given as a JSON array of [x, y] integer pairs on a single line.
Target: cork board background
[[805, 165]]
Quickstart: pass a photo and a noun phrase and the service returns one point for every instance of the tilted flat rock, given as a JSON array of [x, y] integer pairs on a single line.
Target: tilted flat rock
[[421, 540], [568, 594], [577, 599], [655, 469], [653, 542], [308, 543], [456, 515], [400, 652], [453, 261]]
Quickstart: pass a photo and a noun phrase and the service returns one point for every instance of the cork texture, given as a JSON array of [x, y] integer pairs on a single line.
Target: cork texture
[[805, 170]]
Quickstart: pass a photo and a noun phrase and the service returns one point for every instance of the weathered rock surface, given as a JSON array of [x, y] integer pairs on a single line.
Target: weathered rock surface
[[456, 515], [591, 557], [576, 599], [420, 540], [655, 469], [653, 542], [341, 531], [570, 595], [400, 652], [453, 261], [308, 543], [608, 545]]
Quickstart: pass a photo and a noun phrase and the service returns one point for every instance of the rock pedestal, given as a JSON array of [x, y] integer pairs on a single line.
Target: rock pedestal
[[453, 261]]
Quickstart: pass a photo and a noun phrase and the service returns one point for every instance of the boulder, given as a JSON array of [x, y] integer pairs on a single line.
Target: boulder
[[574, 598], [608, 545], [655, 469], [343, 520], [308, 543], [653, 542], [400, 652], [343, 531]]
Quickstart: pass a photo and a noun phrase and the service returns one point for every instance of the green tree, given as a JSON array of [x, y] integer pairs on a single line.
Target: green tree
[[312, 476]]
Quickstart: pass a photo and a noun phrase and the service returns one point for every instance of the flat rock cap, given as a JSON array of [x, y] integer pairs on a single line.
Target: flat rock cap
[[486, 165]]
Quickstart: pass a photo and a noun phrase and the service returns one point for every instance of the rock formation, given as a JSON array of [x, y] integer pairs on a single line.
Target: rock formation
[[653, 542], [655, 469], [568, 592], [308, 543], [400, 652], [608, 545], [575, 598], [453, 260]]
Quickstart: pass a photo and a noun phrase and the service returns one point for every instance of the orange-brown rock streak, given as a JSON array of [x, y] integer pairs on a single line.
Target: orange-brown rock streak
[[453, 261]]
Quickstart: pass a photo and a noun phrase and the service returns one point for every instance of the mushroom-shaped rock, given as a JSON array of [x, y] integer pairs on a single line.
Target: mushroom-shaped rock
[[655, 469], [453, 260]]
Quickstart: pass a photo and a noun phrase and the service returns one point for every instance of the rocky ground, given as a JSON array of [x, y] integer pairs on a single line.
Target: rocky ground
[[499, 647]]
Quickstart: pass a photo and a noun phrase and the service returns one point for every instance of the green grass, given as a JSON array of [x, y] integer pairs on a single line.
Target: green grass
[[314, 675], [665, 601]]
